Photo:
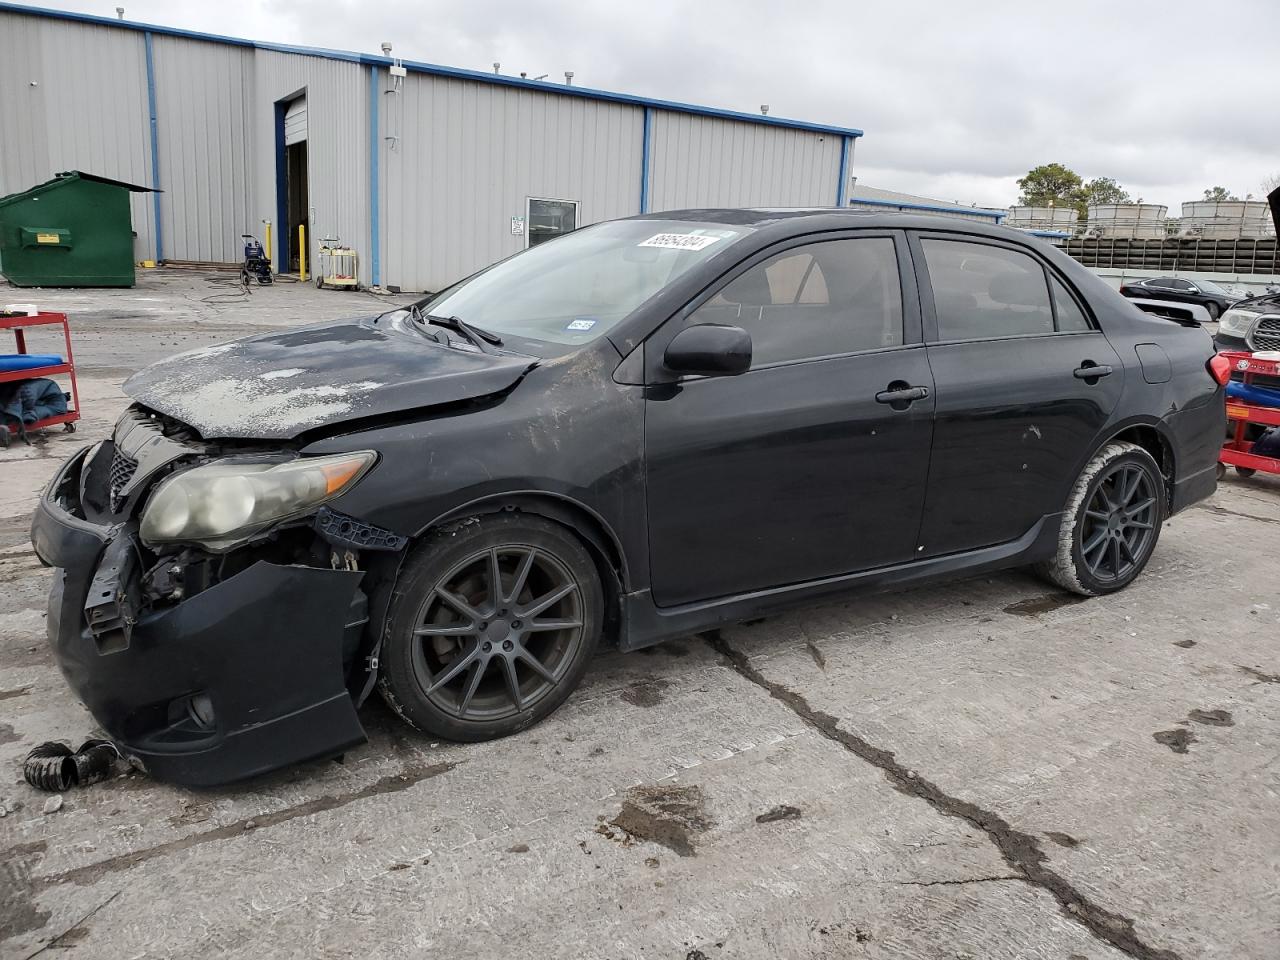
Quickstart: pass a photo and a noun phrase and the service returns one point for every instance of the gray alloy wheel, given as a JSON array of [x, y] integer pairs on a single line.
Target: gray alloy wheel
[[1111, 523], [491, 627]]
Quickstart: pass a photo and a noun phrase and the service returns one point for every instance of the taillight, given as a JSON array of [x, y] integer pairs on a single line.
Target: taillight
[[1219, 368]]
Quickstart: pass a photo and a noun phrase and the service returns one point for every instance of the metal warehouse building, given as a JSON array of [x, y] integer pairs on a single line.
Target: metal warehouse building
[[429, 172]]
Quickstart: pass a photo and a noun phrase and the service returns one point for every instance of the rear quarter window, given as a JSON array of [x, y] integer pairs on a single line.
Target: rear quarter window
[[982, 292]]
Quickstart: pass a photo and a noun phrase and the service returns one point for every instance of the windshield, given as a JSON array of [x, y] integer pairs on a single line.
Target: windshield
[[573, 289]]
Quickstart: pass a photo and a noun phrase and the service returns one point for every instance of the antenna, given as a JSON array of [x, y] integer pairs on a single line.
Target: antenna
[[568, 78], [497, 67], [120, 13]]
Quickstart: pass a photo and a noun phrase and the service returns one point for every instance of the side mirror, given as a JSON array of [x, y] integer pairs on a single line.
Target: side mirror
[[709, 349]]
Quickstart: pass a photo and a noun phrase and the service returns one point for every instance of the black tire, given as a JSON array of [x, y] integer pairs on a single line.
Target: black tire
[[1220, 471], [1246, 471], [479, 642], [1214, 310], [1111, 522]]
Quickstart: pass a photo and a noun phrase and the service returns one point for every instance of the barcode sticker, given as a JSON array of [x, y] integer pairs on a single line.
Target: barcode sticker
[[680, 241]]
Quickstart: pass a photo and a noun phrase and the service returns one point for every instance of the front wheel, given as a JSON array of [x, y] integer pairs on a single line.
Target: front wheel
[[1213, 310], [491, 627], [1111, 522]]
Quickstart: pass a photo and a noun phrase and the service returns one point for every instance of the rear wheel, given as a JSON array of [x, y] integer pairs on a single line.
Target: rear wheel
[[491, 627], [1111, 523], [1213, 310]]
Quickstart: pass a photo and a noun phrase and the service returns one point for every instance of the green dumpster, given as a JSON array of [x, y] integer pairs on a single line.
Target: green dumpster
[[73, 231]]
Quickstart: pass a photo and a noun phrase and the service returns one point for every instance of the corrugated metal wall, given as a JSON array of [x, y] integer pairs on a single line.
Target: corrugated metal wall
[[337, 145], [457, 158], [706, 161], [204, 98], [74, 97], [465, 158]]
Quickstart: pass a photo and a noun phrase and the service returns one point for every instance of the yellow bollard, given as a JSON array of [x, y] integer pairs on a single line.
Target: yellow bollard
[[270, 258], [302, 252]]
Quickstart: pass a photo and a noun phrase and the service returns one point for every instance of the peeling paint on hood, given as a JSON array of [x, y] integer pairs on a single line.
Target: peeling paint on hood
[[277, 386]]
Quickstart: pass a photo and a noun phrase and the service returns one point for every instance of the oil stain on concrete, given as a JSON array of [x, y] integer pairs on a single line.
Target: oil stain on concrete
[[1034, 606], [1175, 740], [1212, 718], [645, 693], [670, 815]]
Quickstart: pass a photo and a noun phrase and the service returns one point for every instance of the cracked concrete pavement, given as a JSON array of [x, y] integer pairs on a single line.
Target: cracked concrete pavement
[[984, 769]]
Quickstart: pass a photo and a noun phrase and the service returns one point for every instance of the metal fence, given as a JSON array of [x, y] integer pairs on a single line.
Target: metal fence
[[1172, 254]]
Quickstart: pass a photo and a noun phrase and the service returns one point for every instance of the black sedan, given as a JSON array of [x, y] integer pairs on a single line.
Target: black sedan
[[634, 432], [1204, 292]]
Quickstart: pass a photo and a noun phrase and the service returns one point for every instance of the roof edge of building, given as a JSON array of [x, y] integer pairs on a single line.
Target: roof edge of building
[[456, 73]]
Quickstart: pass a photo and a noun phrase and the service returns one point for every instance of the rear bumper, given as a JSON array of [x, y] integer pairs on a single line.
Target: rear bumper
[[1192, 489], [1223, 342], [240, 679]]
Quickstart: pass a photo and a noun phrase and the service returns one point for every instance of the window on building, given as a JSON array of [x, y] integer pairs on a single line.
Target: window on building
[[1071, 318], [982, 291], [548, 219], [819, 300]]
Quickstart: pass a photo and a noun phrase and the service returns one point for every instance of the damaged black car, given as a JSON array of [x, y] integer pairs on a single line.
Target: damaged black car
[[640, 430]]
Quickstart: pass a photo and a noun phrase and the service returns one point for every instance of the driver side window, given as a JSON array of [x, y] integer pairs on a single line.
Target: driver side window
[[818, 300]]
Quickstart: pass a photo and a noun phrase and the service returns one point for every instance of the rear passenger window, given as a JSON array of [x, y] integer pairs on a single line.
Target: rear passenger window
[[1071, 318], [981, 291], [818, 300]]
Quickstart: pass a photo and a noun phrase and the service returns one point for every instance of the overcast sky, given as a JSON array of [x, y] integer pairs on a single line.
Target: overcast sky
[[957, 99]]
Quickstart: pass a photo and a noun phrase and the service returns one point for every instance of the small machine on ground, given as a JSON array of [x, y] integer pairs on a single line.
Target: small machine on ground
[[338, 265], [257, 265]]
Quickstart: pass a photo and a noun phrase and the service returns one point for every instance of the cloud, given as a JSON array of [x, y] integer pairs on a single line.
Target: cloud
[[957, 99]]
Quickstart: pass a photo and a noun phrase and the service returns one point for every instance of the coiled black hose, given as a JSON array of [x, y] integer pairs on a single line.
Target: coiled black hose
[[50, 767], [54, 767]]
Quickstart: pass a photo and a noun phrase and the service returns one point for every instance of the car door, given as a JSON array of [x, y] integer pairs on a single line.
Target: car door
[[1024, 380], [1185, 292], [813, 462]]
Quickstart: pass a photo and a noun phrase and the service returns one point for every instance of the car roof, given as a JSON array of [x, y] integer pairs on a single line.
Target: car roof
[[803, 219]]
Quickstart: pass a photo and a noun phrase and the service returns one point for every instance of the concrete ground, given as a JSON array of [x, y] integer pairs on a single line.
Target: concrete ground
[[983, 770]]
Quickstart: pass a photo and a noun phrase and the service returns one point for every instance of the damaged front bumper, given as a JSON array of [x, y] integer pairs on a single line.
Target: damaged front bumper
[[243, 677]]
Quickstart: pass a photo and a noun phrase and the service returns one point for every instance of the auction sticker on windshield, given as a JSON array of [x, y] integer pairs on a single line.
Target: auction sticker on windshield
[[680, 241]]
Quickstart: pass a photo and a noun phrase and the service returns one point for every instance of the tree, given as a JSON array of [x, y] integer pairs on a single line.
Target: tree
[[1219, 194], [1271, 183], [1105, 190], [1050, 182], [1102, 190]]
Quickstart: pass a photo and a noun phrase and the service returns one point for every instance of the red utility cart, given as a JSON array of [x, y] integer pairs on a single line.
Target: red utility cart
[[1239, 414], [67, 368]]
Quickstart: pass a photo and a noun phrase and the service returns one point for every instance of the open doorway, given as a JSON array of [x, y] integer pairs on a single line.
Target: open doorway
[[295, 157], [292, 193]]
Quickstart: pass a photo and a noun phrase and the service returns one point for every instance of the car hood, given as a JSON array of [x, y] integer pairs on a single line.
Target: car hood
[[278, 386]]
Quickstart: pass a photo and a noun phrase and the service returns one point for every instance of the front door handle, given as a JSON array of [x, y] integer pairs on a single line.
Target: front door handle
[[899, 394], [1088, 370]]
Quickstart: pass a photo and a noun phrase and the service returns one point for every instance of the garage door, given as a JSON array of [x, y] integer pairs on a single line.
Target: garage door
[[295, 121]]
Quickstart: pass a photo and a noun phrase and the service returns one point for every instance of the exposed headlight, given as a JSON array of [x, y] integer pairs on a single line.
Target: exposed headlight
[[222, 503], [1236, 323]]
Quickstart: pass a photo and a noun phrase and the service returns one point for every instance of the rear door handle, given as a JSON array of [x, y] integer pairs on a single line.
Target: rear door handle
[[1089, 370], [901, 393]]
